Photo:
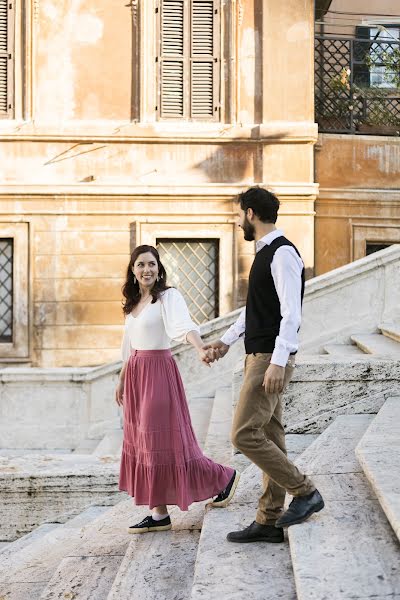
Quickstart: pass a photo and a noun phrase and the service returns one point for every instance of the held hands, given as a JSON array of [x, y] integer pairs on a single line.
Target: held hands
[[274, 379], [212, 352]]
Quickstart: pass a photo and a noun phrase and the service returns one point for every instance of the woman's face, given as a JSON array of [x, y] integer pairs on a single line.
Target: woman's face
[[145, 269]]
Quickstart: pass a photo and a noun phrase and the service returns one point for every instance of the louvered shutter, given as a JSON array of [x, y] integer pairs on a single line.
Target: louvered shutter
[[188, 59], [6, 57], [204, 60], [172, 63]]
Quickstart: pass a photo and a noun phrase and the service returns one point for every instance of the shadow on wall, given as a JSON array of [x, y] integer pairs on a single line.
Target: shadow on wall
[[236, 162]]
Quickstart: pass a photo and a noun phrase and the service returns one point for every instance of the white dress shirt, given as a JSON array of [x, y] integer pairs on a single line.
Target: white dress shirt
[[157, 324], [286, 268]]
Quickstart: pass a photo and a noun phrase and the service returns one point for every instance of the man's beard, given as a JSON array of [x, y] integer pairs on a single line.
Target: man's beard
[[248, 230]]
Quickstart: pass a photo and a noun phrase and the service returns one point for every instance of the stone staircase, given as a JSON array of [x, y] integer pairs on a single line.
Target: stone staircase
[[382, 345], [349, 550]]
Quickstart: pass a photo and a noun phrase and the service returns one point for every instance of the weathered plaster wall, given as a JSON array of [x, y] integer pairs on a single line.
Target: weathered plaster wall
[[359, 199], [83, 61], [86, 158]]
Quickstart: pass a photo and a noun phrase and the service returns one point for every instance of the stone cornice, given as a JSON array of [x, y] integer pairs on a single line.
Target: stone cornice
[[23, 190], [277, 132]]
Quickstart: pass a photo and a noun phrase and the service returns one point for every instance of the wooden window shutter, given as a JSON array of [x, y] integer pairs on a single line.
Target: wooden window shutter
[[172, 60], [6, 58], [204, 60], [189, 65]]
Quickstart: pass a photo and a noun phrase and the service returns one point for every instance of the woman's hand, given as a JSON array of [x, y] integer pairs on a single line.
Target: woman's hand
[[119, 393], [206, 355]]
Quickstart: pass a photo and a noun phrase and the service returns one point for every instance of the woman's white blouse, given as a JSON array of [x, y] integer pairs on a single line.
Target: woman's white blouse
[[159, 323]]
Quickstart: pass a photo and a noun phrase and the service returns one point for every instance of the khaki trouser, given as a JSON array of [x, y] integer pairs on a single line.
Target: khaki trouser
[[258, 433]]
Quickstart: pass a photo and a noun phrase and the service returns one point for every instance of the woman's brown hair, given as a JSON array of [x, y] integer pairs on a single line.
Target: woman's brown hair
[[131, 290]]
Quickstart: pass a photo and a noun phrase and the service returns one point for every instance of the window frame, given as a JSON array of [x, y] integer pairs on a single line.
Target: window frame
[[18, 348]]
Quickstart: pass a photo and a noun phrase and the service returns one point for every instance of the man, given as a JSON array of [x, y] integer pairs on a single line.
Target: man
[[270, 323]]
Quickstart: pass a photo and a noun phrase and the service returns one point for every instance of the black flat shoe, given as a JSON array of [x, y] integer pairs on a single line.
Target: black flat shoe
[[300, 508], [224, 497], [256, 533], [149, 524]]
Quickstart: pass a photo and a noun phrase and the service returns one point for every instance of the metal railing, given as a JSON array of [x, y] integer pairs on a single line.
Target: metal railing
[[357, 85]]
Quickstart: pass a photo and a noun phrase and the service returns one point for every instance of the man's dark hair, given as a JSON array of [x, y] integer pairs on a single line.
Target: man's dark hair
[[264, 203]]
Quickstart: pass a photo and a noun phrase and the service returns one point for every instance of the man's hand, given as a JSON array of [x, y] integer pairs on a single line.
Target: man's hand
[[218, 349], [273, 379]]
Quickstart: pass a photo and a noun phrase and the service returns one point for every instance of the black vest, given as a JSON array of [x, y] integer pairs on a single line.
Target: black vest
[[263, 309]]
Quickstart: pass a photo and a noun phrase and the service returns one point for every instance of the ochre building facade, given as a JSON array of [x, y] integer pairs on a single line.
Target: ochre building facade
[[139, 123]]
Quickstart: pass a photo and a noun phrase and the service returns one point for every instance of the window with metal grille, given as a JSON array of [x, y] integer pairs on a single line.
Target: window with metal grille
[[6, 290], [193, 267], [188, 59], [6, 58]]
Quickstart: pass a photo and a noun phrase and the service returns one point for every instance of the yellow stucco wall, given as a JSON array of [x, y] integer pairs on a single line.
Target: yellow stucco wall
[[84, 156]]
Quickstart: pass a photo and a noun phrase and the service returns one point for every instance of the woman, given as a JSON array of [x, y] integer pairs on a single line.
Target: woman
[[162, 462]]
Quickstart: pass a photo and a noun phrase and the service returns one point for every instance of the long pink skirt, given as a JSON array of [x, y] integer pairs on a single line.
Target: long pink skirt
[[162, 462]]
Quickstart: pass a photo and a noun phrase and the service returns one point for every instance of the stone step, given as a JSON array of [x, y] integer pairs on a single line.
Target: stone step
[[26, 569], [379, 455], [344, 350], [25, 540], [218, 445], [88, 569], [326, 386], [157, 566], [200, 408], [391, 330], [238, 571], [38, 488], [201, 397], [348, 550], [110, 445], [376, 343]]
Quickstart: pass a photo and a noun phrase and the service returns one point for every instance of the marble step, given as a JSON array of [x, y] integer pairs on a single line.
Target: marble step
[[157, 566], [110, 445], [391, 330], [88, 570], [344, 350], [218, 445], [25, 571], [25, 540], [38, 488], [379, 455], [376, 343], [348, 550], [237, 571], [200, 408]]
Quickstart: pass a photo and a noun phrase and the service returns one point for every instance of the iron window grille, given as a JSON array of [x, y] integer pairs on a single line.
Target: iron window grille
[[6, 289], [350, 96], [193, 267]]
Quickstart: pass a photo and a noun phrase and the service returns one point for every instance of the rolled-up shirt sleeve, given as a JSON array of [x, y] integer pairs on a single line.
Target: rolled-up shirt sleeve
[[177, 320], [236, 330], [126, 343]]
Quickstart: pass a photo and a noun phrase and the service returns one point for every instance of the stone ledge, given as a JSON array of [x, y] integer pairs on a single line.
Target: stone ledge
[[324, 387], [379, 455]]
